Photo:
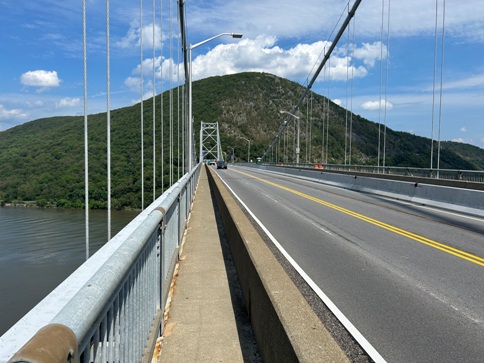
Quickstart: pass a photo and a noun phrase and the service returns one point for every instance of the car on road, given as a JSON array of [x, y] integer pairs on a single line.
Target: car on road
[[221, 164]]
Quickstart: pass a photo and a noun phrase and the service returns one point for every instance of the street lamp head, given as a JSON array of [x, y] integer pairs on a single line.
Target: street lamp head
[[236, 35], [296, 117]]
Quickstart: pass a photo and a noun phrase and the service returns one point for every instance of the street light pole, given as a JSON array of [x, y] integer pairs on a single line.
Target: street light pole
[[298, 131], [190, 116], [248, 148], [232, 155]]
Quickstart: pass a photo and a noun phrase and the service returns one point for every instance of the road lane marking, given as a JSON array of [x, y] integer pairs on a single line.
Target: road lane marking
[[364, 343], [413, 236]]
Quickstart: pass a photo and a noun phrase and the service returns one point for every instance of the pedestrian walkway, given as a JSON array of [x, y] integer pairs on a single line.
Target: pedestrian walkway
[[207, 319]]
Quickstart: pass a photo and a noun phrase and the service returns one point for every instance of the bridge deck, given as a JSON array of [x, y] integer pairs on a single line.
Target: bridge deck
[[207, 320]]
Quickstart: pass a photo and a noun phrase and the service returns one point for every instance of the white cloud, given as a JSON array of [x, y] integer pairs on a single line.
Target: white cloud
[[132, 83], [459, 139], [262, 54], [370, 53], [11, 114], [40, 78], [68, 102], [168, 65], [475, 81], [132, 38], [463, 129], [375, 105]]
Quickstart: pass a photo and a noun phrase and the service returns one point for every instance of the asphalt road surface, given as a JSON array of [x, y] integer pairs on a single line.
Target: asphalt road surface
[[409, 278]]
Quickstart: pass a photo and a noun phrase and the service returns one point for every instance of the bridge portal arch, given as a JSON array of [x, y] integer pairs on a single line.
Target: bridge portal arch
[[210, 146]]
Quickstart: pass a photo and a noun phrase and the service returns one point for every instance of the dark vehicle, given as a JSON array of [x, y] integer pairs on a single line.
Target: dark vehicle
[[221, 164]]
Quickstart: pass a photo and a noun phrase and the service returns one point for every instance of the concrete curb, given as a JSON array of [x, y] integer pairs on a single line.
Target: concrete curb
[[285, 326]]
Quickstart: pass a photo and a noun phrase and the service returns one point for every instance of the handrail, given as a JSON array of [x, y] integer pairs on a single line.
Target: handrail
[[111, 302]]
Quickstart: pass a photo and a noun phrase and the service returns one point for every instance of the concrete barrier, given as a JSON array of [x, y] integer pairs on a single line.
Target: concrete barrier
[[469, 201], [462, 200], [285, 326], [387, 188]]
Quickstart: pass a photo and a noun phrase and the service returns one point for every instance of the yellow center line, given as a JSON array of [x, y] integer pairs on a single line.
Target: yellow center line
[[427, 241]]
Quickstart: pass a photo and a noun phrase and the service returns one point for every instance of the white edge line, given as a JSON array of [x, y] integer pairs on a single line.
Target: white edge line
[[365, 344]]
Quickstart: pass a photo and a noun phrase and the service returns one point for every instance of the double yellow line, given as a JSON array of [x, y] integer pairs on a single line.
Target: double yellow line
[[427, 241]]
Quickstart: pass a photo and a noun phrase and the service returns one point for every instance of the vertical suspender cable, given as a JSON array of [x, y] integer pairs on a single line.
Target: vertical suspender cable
[[441, 84], [185, 94], [386, 86], [86, 153], [178, 111], [162, 143], [324, 119], [183, 118], [285, 145], [171, 95], [306, 129], [381, 80], [347, 78], [141, 103], [108, 115], [327, 110], [311, 127], [153, 10], [433, 87], [295, 127], [351, 92]]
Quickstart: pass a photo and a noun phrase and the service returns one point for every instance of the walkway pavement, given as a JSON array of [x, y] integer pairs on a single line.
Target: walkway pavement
[[207, 319]]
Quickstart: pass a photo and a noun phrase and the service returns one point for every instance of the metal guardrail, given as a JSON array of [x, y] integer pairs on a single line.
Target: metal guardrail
[[114, 302], [446, 174]]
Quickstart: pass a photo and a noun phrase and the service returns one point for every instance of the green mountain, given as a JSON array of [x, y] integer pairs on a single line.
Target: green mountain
[[43, 160]]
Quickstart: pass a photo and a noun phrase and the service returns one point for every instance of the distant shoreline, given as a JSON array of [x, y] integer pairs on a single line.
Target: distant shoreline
[[29, 204]]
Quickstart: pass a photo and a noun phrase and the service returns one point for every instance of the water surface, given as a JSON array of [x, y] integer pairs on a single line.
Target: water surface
[[39, 248]]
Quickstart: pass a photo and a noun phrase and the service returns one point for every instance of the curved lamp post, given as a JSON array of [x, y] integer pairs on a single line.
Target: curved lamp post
[[190, 117], [298, 129]]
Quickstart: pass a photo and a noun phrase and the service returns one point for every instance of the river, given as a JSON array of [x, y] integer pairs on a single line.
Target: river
[[39, 248]]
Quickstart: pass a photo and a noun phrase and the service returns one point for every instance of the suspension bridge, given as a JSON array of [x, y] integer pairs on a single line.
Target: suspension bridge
[[272, 261]]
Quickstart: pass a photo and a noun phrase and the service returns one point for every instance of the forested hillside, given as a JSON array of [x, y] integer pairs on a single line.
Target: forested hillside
[[43, 160]]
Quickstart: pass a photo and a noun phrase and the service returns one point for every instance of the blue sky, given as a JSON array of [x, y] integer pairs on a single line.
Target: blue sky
[[41, 68]]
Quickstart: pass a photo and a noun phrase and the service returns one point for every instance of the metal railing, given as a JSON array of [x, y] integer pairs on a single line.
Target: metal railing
[[114, 302], [476, 176]]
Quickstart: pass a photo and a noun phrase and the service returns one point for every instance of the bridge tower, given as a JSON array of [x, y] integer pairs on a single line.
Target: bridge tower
[[210, 146]]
